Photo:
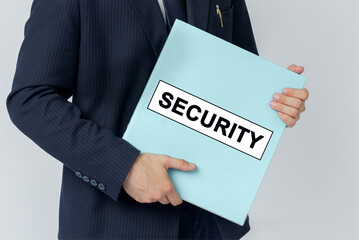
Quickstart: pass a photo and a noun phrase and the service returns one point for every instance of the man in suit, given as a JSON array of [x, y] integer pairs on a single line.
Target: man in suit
[[102, 53]]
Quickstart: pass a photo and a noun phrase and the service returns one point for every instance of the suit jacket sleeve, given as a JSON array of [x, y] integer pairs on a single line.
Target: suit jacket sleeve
[[38, 102]]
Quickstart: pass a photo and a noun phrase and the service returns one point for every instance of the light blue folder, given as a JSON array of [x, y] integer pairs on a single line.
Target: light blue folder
[[226, 77]]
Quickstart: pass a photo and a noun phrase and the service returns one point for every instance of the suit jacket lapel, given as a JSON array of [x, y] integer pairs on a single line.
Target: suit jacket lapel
[[149, 13], [152, 21]]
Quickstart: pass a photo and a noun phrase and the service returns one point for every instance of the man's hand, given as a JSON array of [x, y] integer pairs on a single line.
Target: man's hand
[[148, 180], [291, 103]]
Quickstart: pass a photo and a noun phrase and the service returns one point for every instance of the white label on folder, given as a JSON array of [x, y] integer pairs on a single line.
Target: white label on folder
[[210, 120]]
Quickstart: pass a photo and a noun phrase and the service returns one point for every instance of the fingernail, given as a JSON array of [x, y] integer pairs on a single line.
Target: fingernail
[[276, 97], [192, 165], [273, 104], [285, 91]]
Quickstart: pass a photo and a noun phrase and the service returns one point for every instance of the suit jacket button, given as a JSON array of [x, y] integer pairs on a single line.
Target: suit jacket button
[[85, 178], [78, 174], [93, 182], [101, 187]]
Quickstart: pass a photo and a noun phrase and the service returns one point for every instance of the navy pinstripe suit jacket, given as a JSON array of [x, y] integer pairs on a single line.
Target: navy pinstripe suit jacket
[[102, 52]]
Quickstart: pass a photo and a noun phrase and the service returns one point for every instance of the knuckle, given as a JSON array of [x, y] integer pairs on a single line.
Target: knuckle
[[288, 101], [306, 93], [295, 112], [291, 123], [182, 162], [141, 200], [298, 104], [166, 157], [285, 118], [157, 197], [278, 107], [168, 188]]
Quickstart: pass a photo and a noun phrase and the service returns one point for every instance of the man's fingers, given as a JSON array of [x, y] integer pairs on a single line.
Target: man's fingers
[[289, 101], [170, 191], [164, 200], [302, 94], [179, 164], [174, 197], [296, 69], [292, 112], [287, 119], [302, 108]]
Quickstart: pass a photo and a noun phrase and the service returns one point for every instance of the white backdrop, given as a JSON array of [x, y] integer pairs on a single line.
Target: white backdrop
[[311, 188]]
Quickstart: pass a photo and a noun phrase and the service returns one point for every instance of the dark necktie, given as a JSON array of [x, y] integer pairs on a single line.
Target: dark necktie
[[175, 9]]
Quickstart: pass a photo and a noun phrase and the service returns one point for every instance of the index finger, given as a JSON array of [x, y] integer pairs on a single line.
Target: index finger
[[302, 94]]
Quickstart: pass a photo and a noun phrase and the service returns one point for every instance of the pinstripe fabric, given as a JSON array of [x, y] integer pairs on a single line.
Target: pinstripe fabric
[[101, 52]]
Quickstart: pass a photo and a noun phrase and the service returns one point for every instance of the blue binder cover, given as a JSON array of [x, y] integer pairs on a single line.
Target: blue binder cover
[[207, 101]]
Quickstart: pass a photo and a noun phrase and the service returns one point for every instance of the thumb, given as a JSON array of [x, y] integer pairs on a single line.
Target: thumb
[[180, 164]]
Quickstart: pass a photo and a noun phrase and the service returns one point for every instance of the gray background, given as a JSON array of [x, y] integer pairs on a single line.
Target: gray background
[[310, 190]]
